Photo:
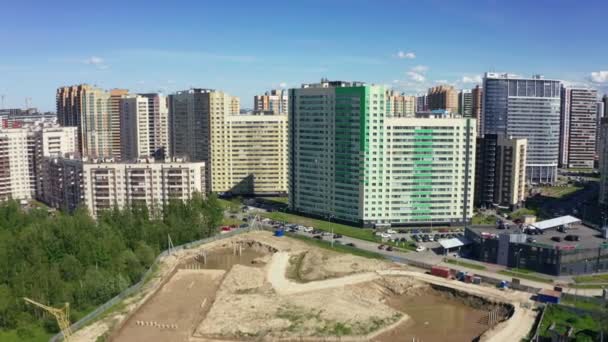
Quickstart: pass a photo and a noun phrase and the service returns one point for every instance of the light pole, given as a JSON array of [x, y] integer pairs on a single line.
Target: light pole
[[331, 228]]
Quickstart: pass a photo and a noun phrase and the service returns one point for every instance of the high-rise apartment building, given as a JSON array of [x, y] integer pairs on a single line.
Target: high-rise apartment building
[[603, 161], [93, 111], [351, 160], [422, 103], [500, 178], [114, 112], [274, 100], [578, 127], [16, 180], [257, 154], [400, 105], [526, 108], [144, 126], [245, 154], [477, 94], [443, 97], [605, 102], [465, 102], [61, 184], [45, 142], [108, 184]]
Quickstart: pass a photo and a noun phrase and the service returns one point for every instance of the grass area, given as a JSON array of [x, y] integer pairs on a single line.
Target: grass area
[[587, 286], [563, 319], [283, 200], [227, 221], [354, 232], [483, 219], [559, 191], [585, 305], [233, 205], [527, 276], [465, 264], [519, 213], [599, 278], [337, 247], [33, 333]]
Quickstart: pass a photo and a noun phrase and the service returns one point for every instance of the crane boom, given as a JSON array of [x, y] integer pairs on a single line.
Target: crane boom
[[61, 315]]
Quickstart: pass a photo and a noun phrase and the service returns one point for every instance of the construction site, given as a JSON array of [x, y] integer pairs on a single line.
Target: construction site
[[258, 287]]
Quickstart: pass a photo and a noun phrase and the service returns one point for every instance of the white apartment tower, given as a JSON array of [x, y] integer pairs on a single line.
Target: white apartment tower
[[144, 126]]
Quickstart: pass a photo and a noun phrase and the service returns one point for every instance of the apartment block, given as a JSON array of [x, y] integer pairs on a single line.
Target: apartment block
[[49, 141], [93, 111], [578, 127], [400, 105], [477, 95], [114, 112], [352, 161], [61, 182], [144, 126], [526, 108], [257, 160], [465, 102], [108, 184], [603, 161], [275, 100], [16, 179], [443, 97], [500, 178]]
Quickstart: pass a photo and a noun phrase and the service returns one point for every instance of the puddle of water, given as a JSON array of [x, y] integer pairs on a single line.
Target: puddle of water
[[225, 258], [433, 317]]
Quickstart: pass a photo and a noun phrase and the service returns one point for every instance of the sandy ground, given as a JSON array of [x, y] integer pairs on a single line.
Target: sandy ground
[[180, 304], [334, 294]]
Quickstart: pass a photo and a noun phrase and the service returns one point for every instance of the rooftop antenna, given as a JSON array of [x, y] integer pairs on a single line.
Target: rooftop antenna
[[2, 97], [28, 102]]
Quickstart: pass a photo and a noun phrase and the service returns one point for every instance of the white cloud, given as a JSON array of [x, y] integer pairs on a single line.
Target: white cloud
[[471, 79], [599, 76], [416, 76], [420, 68], [97, 62], [405, 55], [442, 81], [283, 85]]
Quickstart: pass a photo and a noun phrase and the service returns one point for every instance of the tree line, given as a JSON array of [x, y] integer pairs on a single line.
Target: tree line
[[55, 258]]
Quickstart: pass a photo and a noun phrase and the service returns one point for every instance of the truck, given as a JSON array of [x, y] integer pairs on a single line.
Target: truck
[[440, 271]]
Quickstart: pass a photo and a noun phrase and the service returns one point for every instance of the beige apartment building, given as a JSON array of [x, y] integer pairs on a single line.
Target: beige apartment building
[[245, 154], [443, 97], [114, 111], [275, 100], [501, 171], [95, 112], [47, 142], [400, 105], [15, 164], [108, 184], [144, 126]]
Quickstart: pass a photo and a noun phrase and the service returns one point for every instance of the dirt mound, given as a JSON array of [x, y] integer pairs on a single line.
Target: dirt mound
[[243, 278], [315, 264]]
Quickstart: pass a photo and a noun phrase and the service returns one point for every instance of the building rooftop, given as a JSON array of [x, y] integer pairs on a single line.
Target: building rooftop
[[325, 83], [555, 222], [589, 238]]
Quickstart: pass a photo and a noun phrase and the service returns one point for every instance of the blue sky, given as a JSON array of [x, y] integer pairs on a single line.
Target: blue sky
[[247, 47]]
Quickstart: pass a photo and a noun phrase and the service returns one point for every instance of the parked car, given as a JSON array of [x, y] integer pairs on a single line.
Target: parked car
[[556, 239], [389, 248], [350, 244], [420, 249], [308, 229], [380, 246], [391, 231], [531, 240], [337, 236], [572, 238], [402, 239], [318, 237]]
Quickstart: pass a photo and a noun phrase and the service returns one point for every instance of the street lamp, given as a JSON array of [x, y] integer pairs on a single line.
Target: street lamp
[[331, 228]]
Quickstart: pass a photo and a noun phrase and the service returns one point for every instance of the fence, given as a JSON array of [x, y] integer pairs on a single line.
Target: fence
[[93, 315]]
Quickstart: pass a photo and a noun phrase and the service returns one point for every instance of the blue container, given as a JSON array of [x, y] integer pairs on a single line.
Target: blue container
[[279, 232], [544, 298]]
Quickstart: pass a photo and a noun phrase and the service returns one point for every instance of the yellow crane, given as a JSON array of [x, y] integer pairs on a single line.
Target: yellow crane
[[61, 315]]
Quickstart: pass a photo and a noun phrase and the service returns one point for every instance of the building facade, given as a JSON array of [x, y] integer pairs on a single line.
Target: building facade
[[144, 126], [465, 102], [16, 172], [108, 184], [93, 111], [351, 161], [578, 127], [61, 184], [400, 105], [526, 108], [500, 178], [443, 97], [477, 95], [275, 100], [603, 162]]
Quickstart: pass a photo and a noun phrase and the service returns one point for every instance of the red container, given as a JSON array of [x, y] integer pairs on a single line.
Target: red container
[[439, 271], [468, 278]]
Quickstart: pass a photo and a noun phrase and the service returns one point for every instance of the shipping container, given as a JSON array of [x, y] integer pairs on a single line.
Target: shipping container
[[440, 271]]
